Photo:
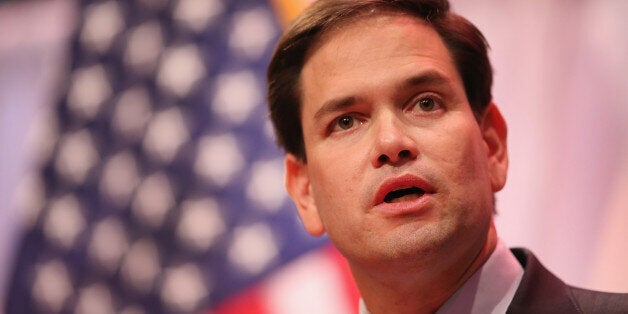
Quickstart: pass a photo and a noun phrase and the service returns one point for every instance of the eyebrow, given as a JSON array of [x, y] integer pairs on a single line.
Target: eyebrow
[[335, 105], [425, 78]]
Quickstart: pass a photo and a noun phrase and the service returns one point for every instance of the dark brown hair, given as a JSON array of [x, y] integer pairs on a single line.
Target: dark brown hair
[[466, 44]]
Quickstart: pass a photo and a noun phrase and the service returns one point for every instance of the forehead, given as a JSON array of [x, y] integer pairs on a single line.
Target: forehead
[[369, 49], [355, 26]]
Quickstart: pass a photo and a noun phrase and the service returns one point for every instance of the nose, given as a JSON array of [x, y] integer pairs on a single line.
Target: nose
[[393, 144]]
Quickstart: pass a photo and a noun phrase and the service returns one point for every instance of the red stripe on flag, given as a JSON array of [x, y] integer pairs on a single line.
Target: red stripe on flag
[[351, 290], [290, 288], [248, 301]]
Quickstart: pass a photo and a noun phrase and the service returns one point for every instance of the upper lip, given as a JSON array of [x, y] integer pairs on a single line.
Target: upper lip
[[401, 182]]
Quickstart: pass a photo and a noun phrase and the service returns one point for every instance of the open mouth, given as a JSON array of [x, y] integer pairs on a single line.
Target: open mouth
[[407, 189], [403, 195]]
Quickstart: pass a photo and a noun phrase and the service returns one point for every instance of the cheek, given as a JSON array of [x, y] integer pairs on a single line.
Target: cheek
[[334, 183], [460, 152], [460, 165], [338, 189], [337, 169]]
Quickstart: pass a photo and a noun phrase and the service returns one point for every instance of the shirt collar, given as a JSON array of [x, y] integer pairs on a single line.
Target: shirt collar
[[489, 290]]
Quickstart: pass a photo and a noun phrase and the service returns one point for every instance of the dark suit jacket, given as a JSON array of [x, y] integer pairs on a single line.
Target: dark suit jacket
[[542, 292]]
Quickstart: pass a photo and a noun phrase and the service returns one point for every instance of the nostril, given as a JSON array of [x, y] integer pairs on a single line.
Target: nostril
[[404, 154]]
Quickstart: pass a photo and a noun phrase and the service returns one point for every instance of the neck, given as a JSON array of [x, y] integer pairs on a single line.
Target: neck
[[422, 286]]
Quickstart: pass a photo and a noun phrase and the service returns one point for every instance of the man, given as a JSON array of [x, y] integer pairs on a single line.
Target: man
[[394, 148]]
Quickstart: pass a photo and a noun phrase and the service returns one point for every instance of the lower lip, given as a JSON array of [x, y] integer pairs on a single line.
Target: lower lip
[[415, 206]]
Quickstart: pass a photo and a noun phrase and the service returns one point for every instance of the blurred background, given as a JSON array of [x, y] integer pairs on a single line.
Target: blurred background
[[139, 175]]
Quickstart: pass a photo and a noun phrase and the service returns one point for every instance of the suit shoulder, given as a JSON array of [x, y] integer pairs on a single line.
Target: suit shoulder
[[600, 302], [540, 291]]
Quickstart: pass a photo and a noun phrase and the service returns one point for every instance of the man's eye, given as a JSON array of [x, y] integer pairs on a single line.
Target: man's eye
[[426, 104], [345, 122]]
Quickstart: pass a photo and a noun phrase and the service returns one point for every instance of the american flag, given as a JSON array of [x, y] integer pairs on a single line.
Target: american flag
[[161, 188]]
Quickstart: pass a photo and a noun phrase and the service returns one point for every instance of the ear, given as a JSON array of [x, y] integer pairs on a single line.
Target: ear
[[494, 132], [300, 190]]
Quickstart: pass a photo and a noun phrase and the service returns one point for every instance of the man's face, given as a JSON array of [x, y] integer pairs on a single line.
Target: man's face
[[397, 165]]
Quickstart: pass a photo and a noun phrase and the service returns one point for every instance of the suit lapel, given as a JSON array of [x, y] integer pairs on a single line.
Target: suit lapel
[[540, 291]]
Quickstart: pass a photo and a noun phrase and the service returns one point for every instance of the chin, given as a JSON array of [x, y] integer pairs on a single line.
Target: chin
[[408, 244]]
